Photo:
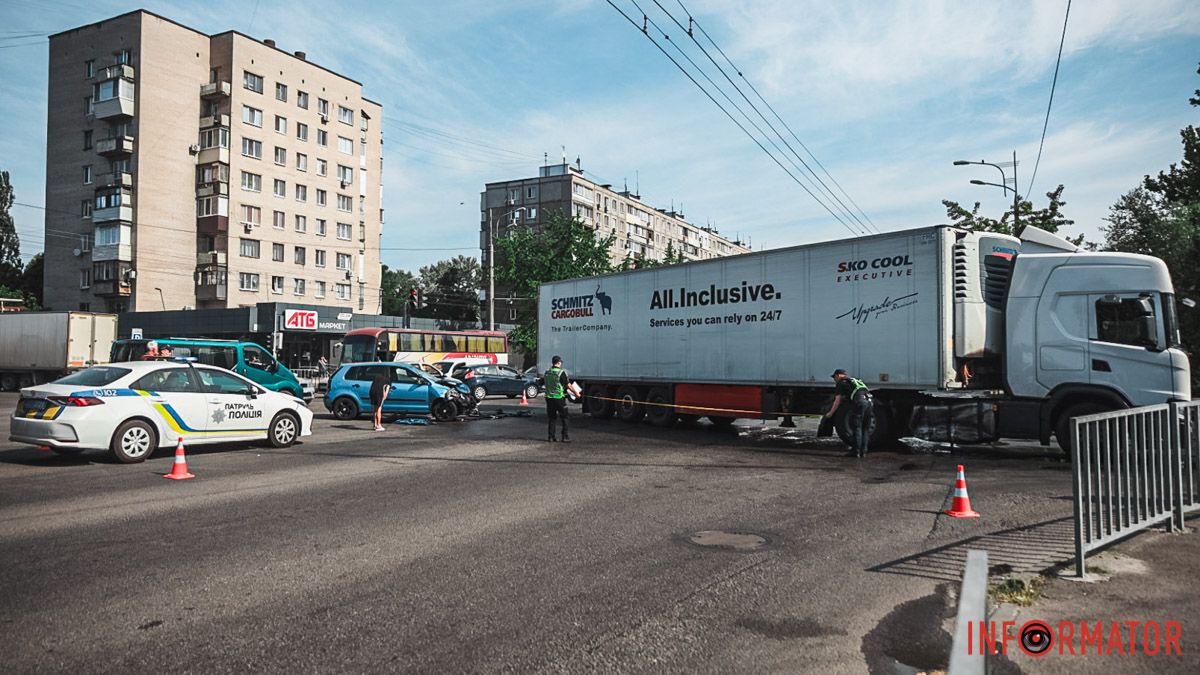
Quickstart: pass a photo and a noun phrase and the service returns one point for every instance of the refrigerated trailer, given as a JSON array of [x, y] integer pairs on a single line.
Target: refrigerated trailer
[[962, 336], [37, 347]]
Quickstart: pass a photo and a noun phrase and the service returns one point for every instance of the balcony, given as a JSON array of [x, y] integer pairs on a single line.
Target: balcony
[[207, 121], [116, 146], [120, 179], [210, 258], [113, 72], [215, 89], [114, 108], [119, 212], [110, 289], [211, 281], [213, 188], [213, 155]]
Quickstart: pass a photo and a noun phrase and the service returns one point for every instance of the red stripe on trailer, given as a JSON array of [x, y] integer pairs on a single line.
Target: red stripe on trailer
[[700, 399]]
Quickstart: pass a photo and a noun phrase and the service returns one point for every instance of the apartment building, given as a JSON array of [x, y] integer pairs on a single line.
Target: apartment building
[[187, 170], [643, 232]]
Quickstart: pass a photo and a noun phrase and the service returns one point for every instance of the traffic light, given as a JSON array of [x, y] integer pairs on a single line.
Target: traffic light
[[414, 297]]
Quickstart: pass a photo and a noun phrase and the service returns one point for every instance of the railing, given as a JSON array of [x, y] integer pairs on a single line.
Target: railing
[[1133, 469], [965, 658]]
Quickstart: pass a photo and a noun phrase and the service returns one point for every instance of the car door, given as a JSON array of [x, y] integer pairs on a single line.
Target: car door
[[236, 407], [256, 365], [409, 393], [178, 404], [1127, 352], [513, 381]]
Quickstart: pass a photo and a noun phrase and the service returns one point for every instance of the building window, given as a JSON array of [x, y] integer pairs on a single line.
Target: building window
[[345, 145], [85, 209], [87, 140], [85, 243], [345, 174], [301, 193], [531, 213], [343, 291], [302, 99], [344, 231], [85, 278], [277, 285], [321, 197], [343, 261], [277, 252], [280, 188], [345, 203], [207, 206], [322, 167], [249, 248], [298, 255], [217, 137], [89, 68], [323, 108], [87, 174], [297, 287], [252, 116], [251, 182], [531, 192], [320, 227], [301, 223], [277, 220], [345, 115], [280, 125], [322, 138], [280, 156], [301, 161], [302, 131], [319, 289], [281, 92], [247, 281], [89, 105], [252, 82], [251, 215], [124, 57], [251, 148], [319, 257]]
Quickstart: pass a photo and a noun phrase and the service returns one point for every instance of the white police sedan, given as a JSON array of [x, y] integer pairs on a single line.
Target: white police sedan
[[134, 408]]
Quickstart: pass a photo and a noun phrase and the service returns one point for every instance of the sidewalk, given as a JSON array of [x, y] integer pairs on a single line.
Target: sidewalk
[[1151, 577]]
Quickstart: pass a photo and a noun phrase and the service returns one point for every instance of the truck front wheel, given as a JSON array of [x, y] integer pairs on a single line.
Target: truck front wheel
[[1062, 426]]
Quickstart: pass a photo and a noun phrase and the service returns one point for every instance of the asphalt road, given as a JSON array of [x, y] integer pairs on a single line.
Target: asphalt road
[[479, 547]]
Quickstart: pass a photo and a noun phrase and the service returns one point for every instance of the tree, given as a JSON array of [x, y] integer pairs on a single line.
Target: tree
[[394, 288], [670, 257], [11, 268], [1049, 219], [564, 248], [450, 290], [31, 282]]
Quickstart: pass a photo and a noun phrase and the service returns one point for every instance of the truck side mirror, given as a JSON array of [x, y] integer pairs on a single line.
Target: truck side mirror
[[1148, 330], [1145, 306]]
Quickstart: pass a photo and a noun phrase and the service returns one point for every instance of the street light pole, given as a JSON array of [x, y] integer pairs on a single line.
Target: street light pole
[[492, 262], [1003, 185]]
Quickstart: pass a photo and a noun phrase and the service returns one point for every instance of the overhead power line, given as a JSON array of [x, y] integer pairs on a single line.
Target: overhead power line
[[1053, 83]]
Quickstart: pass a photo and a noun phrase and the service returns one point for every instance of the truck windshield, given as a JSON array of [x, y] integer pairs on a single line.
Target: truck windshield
[[1171, 320]]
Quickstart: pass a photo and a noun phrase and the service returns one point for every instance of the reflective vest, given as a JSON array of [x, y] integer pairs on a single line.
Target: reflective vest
[[859, 386], [554, 387]]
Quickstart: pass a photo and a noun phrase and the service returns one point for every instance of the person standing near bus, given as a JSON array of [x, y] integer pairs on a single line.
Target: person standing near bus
[[556, 382], [381, 384]]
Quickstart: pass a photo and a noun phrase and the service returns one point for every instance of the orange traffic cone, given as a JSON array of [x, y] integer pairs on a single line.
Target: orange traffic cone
[[524, 398], [179, 469], [961, 506]]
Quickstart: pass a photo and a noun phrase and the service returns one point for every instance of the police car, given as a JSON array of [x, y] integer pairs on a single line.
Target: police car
[[133, 408]]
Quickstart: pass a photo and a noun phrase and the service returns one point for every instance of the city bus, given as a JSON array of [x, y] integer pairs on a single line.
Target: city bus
[[414, 345]]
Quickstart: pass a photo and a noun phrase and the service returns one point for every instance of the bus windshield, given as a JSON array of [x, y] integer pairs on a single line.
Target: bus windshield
[[358, 349]]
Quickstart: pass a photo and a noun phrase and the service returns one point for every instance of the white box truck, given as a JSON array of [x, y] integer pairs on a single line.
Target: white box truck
[[962, 336], [37, 347]]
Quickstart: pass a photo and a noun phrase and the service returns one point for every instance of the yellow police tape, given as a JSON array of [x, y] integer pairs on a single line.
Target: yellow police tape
[[756, 413]]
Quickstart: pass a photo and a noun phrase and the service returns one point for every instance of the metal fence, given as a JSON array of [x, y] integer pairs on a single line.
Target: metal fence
[[1133, 469]]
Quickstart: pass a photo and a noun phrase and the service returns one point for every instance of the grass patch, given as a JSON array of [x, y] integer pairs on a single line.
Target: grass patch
[[1020, 592]]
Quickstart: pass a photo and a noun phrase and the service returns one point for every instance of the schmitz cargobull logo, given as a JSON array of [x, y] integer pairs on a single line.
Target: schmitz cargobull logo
[[576, 306]]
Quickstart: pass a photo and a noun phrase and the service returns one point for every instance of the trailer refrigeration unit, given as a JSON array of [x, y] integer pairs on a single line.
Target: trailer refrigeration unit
[[963, 336], [38, 347]]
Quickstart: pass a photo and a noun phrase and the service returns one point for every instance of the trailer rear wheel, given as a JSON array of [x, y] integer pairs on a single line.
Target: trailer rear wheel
[[659, 410], [8, 382], [629, 404], [598, 403]]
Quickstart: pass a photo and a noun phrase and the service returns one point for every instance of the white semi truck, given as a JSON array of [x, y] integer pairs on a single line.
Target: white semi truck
[[962, 336], [37, 347]]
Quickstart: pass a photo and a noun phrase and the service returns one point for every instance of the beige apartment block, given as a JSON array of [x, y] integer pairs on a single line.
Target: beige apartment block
[[193, 171]]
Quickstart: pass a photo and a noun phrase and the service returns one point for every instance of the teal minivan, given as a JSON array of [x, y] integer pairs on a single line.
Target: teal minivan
[[247, 359]]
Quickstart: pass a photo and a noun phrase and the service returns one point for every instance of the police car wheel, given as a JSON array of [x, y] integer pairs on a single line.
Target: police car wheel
[[133, 442], [345, 408], [480, 392], [283, 430], [443, 410]]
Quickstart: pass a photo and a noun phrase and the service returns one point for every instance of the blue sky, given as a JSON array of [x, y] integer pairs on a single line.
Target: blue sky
[[886, 96]]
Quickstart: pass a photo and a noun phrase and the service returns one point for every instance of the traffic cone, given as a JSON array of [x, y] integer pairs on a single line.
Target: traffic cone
[[179, 469], [524, 398], [961, 506]]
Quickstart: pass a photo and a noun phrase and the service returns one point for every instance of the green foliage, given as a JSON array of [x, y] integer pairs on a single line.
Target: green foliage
[[564, 248], [31, 282], [1049, 218], [450, 290], [11, 268], [394, 288], [670, 257]]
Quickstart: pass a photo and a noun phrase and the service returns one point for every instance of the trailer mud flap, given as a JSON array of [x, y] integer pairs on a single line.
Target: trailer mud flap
[[960, 422]]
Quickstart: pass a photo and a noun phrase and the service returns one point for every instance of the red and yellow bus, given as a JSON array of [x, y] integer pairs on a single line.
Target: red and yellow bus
[[423, 345]]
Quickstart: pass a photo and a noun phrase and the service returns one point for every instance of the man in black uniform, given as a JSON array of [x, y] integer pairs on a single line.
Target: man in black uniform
[[861, 415], [381, 384]]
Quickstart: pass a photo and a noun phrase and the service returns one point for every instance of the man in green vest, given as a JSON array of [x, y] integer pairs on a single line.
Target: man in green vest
[[556, 382], [860, 416]]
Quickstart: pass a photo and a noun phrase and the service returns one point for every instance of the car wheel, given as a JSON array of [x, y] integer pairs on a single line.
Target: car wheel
[[133, 442], [345, 408], [629, 405], [443, 410], [659, 410], [284, 430], [531, 391], [480, 392]]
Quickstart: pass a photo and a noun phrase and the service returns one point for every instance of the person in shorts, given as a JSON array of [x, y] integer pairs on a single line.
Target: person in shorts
[[380, 386]]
